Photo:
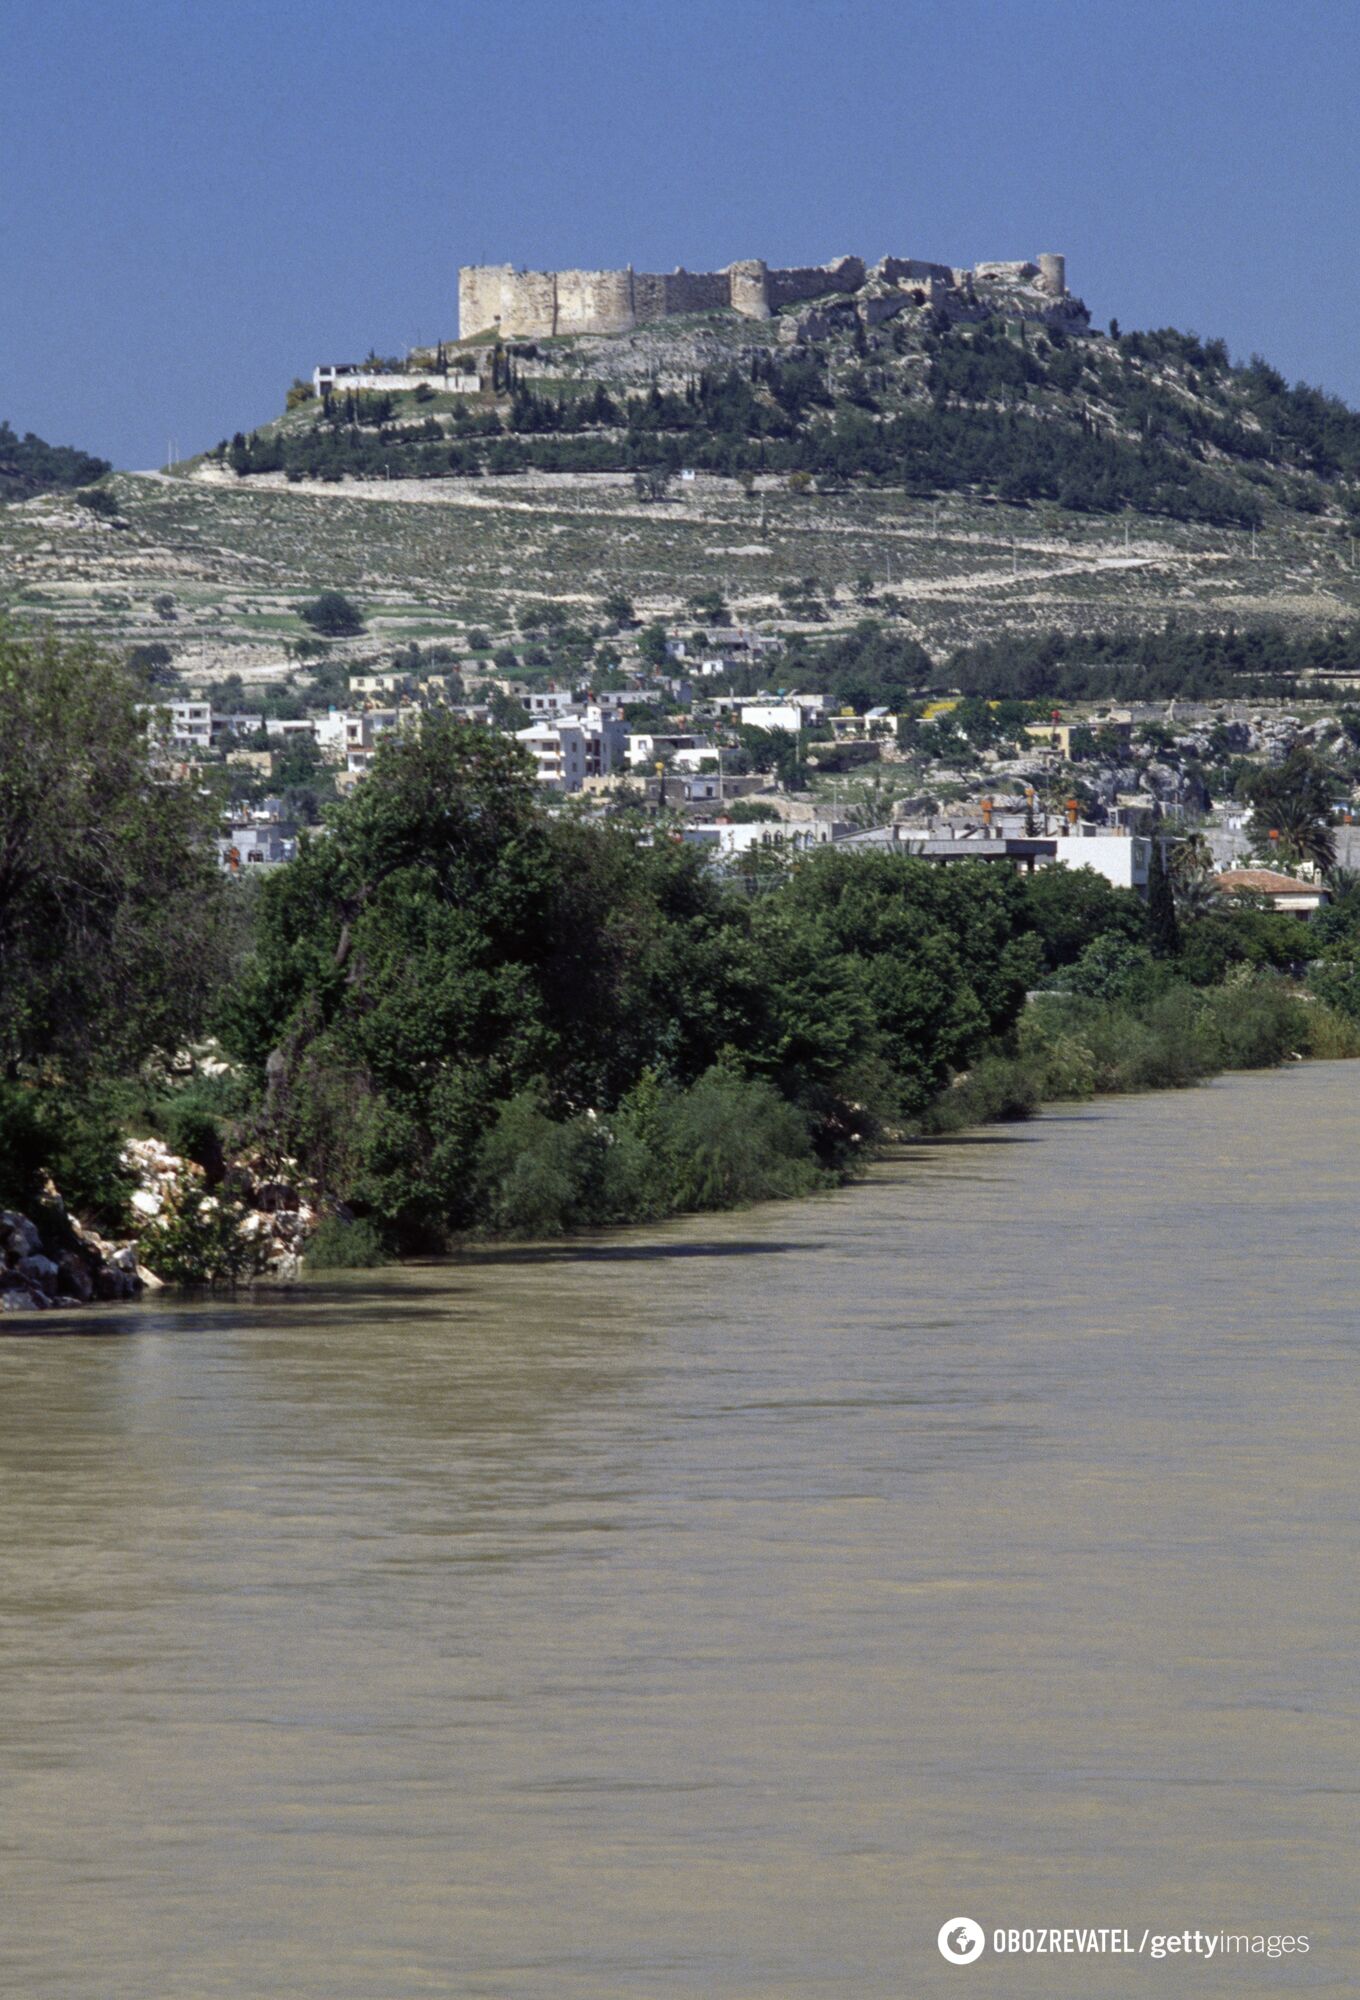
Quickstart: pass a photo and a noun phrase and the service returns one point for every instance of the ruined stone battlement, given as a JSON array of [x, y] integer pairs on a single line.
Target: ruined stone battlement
[[538, 304]]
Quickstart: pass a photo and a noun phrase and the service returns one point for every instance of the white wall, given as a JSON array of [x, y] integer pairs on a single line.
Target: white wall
[[451, 385], [1120, 857]]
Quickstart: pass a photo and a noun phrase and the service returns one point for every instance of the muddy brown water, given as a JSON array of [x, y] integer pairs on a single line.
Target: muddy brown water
[[715, 1609]]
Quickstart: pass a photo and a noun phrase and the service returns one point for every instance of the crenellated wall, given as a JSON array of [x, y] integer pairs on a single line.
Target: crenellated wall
[[529, 304]]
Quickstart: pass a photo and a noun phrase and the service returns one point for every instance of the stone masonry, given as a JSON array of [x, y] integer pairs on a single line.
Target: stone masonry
[[539, 304]]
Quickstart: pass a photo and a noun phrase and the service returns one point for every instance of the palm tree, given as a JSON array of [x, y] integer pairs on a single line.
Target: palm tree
[[1192, 876], [1195, 896], [1292, 800]]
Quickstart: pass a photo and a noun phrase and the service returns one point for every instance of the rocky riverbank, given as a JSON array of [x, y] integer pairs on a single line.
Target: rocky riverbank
[[51, 1259], [59, 1262]]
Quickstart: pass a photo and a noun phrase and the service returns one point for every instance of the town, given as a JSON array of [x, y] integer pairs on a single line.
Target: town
[[698, 736]]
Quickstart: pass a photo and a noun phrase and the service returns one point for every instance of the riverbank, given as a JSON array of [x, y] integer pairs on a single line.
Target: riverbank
[[1066, 1048]]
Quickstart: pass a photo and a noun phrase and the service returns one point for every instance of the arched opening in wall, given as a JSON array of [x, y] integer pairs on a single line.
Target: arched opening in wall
[[918, 297]]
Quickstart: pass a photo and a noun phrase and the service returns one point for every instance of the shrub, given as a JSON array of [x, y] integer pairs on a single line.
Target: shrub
[[1331, 1036], [1129, 1055], [77, 1138], [25, 1143], [1109, 966], [998, 1089], [197, 1239], [192, 1132], [341, 1245], [541, 1177], [99, 500], [332, 615], [1336, 982], [729, 1141], [1056, 1053], [1258, 1022]]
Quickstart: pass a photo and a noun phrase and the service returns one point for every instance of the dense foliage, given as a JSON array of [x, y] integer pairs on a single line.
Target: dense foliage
[[110, 933], [464, 1013], [1178, 662], [29, 465], [460, 1012], [1156, 423], [114, 932], [450, 957]]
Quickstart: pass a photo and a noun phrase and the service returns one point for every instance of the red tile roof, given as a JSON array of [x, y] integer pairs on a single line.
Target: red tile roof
[[1264, 882]]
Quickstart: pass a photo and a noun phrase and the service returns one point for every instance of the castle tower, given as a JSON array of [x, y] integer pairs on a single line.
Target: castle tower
[[749, 284], [1053, 274]]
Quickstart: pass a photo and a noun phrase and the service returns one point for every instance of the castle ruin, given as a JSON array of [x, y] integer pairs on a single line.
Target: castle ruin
[[539, 304]]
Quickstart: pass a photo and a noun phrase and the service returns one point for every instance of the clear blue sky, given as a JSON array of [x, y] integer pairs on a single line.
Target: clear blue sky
[[202, 200]]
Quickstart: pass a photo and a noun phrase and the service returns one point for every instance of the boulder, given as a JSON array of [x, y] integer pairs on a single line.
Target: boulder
[[18, 1235], [75, 1278], [16, 1296], [40, 1273]]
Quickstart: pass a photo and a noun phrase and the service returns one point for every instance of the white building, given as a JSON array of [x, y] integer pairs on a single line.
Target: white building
[[559, 752], [364, 733], [792, 713], [549, 702], [1122, 858], [186, 725], [568, 751], [331, 731], [335, 377], [653, 747], [729, 837]]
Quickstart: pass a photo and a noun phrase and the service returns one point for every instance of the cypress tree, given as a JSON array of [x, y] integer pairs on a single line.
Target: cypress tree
[[1164, 933]]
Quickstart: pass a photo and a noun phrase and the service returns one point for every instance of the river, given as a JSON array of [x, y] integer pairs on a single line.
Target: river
[[715, 1609]]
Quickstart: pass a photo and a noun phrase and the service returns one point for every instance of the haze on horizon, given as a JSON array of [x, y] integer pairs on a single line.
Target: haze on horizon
[[205, 203]]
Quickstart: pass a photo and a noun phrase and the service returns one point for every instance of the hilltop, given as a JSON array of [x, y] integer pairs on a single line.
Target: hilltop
[[29, 465], [958, 479]]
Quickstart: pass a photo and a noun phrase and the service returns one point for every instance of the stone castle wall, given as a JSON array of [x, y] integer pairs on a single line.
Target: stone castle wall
[[814, 281], [538, 304]]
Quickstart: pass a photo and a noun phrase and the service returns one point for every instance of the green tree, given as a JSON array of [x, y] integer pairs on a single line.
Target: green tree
[[617, 608], [332, 615], [1067, 907], [111, 907], [652, 645], [407, 972], [508, 711], [1163, 931], [1294, 801]]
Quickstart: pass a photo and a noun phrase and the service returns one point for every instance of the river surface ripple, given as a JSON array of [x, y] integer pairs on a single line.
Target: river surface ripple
[[717, 1608]]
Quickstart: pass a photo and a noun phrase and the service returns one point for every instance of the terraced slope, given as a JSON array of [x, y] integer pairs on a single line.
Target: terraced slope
[[905, 515]]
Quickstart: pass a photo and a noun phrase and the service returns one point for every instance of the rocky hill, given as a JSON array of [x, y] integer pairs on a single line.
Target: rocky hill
[[960, 480]]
